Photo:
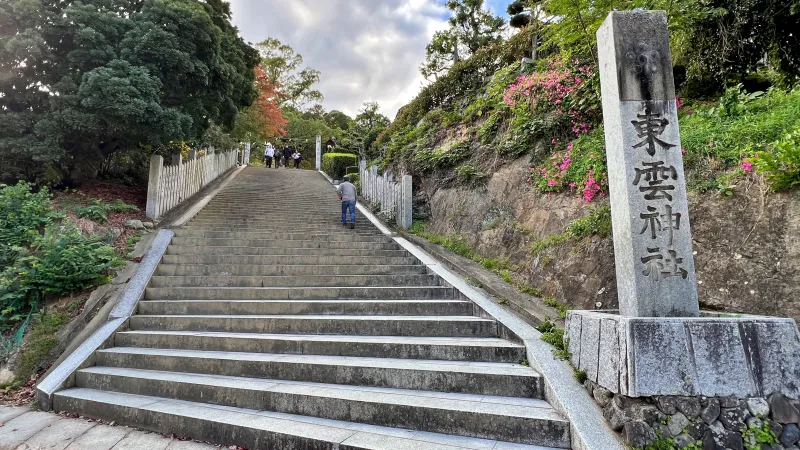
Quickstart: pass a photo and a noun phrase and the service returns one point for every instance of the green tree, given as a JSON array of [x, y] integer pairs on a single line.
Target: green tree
[[83, 82], [367, 125], [283, 67], [725, 41], [471, 27], [527, 14], [337, 119]]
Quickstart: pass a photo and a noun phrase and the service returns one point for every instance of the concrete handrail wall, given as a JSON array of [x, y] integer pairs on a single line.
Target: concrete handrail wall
[[168, 186], [392, 198]]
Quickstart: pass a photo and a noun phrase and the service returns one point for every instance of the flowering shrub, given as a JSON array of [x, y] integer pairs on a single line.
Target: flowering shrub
[[563, 99], [578, 166]]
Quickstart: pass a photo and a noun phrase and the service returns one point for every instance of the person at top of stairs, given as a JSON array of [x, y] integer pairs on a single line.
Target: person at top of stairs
[[347, 194], [287, 155], [269, 152]]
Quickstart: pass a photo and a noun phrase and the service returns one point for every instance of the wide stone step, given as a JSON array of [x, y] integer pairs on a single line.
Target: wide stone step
[[434, 326], [527, 421], [255, 429], [342, 236], [295, 281], [407, 347], [283, 270], [299, 293], [284, 243], [279, 224], [288, 260], [316, 307], [219, 250], [511, 380]]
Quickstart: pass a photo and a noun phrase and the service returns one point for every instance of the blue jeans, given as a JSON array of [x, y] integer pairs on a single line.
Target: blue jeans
[[352, 207]]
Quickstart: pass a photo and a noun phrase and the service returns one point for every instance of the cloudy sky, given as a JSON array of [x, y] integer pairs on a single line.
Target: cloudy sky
[[367, 50]]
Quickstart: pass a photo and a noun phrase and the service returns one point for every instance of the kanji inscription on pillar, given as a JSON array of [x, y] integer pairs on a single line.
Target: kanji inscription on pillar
[[650, 217]]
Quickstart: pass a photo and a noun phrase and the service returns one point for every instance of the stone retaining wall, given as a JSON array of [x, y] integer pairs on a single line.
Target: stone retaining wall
[[708, 423]]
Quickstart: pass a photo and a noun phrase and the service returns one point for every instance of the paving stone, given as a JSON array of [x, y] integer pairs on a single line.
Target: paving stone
[[58, 435], [21, 428], [100, 437], [9, 412], [189, 445], [137, 440]]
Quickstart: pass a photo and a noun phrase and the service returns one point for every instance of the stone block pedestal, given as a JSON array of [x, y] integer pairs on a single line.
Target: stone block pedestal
[[712, 355]]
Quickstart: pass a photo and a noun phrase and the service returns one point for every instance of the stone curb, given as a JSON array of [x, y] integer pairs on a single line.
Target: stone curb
[[588, 428], [63, 376], [492, 284]]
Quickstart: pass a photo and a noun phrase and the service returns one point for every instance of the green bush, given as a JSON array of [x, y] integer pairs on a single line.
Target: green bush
[[716, 139], [98, 211], [780, 162], [336, 164], [355, 179], [352, 170], [60, 261], [23, 215]]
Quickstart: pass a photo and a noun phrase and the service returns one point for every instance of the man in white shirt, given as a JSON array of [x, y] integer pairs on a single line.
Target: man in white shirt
[[269, 152], [348, 196]]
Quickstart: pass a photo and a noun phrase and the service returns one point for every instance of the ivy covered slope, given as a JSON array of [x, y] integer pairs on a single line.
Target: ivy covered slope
[[506, 154]]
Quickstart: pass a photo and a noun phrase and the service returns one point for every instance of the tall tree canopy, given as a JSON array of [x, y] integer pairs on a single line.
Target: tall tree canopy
[[368, 124], [283, 67], [83, 80], [264, 118], [471, 27]]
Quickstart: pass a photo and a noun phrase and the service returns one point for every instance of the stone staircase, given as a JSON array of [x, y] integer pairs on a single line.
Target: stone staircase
[[269, 325]]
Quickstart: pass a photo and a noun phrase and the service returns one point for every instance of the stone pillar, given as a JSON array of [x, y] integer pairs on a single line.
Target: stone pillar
[[319, 152], [177, 159], [362, 165], [247, 154], [407, 204], [192, 155], [650, 214], [658, 344], [154, 186]]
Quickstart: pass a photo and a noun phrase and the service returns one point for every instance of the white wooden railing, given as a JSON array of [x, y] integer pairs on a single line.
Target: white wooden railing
[[170, 185], [391, 199]]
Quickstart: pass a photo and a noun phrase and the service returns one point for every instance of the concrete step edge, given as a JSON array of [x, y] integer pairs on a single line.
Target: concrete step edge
[[255, 429]]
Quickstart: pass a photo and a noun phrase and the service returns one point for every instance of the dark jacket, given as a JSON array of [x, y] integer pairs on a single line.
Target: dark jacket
[[287, 153]]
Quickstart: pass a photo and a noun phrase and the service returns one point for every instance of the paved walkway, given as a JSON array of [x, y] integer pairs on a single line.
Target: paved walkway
[[22, 428]]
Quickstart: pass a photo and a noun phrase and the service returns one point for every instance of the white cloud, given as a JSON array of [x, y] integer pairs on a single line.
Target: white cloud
[[367, 50]]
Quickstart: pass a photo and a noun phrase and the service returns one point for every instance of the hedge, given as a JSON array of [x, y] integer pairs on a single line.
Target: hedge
[[336, 164]]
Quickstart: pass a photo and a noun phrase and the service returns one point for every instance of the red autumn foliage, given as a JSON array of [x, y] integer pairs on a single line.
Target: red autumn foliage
[[267, 104]]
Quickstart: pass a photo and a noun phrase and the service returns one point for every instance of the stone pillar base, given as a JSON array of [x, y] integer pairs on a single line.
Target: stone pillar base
[[712, 355]]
